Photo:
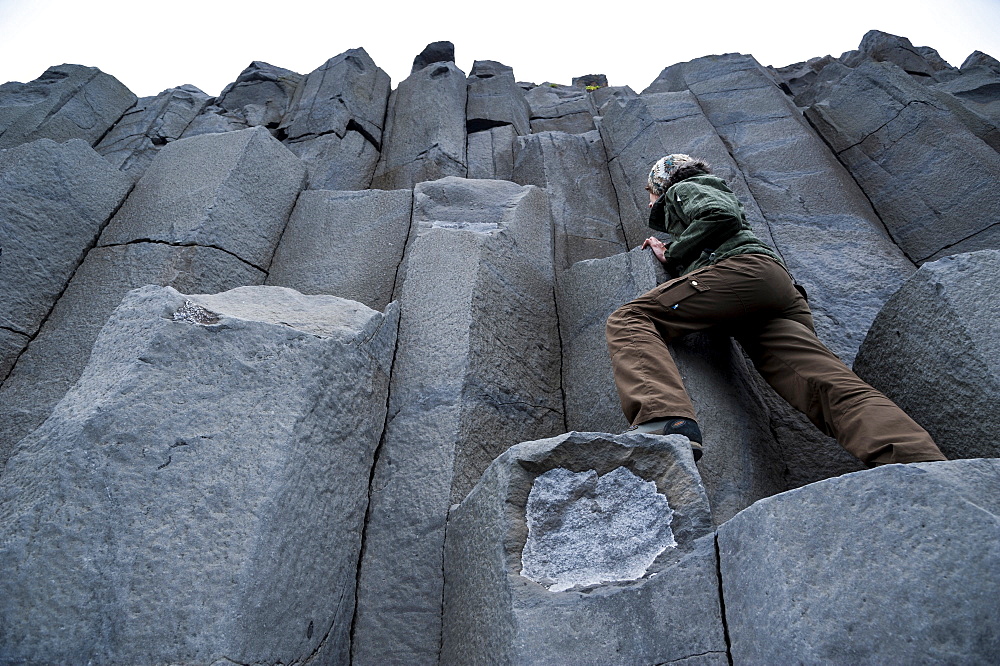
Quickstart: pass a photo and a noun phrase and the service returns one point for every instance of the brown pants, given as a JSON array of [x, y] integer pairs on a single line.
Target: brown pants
[[751, 297]]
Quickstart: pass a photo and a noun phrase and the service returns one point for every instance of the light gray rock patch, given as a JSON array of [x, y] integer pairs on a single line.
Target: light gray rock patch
[[585, 529]]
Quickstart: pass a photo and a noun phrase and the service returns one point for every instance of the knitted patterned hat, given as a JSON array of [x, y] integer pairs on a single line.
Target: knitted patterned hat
[[664, 168]]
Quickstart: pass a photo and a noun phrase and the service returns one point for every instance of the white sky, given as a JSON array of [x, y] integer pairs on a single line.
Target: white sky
[[150, 46]]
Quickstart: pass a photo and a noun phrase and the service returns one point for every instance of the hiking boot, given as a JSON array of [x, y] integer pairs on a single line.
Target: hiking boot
[[676, 425]]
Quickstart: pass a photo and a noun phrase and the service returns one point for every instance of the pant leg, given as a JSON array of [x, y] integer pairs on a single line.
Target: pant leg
[[649, 384], [815, 381]]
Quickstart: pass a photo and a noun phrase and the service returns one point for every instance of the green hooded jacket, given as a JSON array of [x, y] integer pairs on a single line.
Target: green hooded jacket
[[707, 224]]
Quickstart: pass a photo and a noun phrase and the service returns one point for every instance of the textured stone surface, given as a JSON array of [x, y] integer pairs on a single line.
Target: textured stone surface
[[494, 612], [495, 99], [896, 564], [258, 97], [491, 153], [12, 344], [328, 247], [573, 170], [347, 91], [167, 512], [477, 370], [934, 190], [560, 108], [66, 102], [55, 358], [742, 463], [232, 191], [934, 349], [587, 529], [153, 122], [334, 123], [54, 200], [425, 127]]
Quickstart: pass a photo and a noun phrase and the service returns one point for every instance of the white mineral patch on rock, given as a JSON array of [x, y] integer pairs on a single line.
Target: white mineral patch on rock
[[584, 529]]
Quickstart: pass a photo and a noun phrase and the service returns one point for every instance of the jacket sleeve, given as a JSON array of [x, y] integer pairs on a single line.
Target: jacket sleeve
[[711, 216]]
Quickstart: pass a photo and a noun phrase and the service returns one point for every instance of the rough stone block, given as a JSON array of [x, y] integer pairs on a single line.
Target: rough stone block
[[337, 163], [232, 191], [573, 123], [54, 200], [434, 52], [153, 122], [477, 370], [327, 246], [491, 153], [258, 97], [495, 99], [896, 564], [425, 128], [922, 62], [347, 92], [577, 549], [66, 102], [934, 349], [554, 101], [573, 170], [168, 511], [741, 463], [55, 358], [929, 177]]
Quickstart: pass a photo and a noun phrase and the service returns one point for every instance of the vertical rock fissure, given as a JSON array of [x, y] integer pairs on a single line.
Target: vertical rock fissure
[[722, 602], [277, 244], [114, 124], [562, 383], [371, 482]]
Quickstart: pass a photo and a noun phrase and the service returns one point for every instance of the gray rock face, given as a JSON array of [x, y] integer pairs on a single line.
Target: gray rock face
[[433, 53], [920, 62], [491, 153], [872, 567], [934, 349], [153, 122], [556, 108], [327, 246], [347, 91], [66, 102], [559, 504], [477, 371], [334, 123], [167, 512], [54, 200], [232, 191], [426, 129], [742, 462], [53, 361], [573, 169], [495, 99], [933, 190], [258, 97]]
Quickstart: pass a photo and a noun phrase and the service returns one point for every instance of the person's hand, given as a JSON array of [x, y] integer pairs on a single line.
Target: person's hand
[[658, 248]]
